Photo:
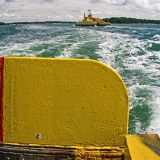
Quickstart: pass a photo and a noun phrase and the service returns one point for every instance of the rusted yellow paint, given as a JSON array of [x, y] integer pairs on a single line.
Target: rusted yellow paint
[[143, 146], [65, 153], [97, 153], [65, 102]]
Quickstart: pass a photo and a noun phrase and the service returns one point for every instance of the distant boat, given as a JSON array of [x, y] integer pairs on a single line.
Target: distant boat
[[91, 21]]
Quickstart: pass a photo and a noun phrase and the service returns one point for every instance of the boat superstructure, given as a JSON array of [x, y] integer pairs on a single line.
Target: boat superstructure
[[91, 21]]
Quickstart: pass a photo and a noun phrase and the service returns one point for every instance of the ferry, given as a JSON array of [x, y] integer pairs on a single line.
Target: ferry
[[91, 21]]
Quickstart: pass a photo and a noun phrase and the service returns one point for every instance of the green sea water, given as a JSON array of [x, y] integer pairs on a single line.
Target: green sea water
[[133, 50]]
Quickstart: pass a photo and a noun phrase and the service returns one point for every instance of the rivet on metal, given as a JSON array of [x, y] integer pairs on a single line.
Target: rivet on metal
[[38, 135]]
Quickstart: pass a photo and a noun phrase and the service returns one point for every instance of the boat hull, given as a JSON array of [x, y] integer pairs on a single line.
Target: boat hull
[[103, 24], [91, 24], [85, 24]]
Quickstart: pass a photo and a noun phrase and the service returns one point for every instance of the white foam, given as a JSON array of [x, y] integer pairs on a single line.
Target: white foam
[[132, 54], [33, 27], [155, 122], [135, 56], [156, 38]]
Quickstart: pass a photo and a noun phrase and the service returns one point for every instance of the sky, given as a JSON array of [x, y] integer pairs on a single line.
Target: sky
[[73, 10]]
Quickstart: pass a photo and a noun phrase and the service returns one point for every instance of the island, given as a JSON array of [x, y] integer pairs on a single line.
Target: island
[[112, 20]]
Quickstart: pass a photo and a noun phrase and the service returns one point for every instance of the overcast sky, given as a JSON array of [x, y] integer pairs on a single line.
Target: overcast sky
[[73, 10]]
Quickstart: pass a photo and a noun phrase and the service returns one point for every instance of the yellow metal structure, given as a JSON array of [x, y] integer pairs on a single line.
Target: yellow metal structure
[[143, 146], [70, 109], [63, 102]]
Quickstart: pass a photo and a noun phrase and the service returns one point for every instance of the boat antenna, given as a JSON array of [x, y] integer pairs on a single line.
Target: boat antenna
[[90, 12]]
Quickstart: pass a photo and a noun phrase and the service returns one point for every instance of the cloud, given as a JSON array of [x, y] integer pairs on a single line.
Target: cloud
[[3, 6], [142, 3], [146, 4], [2, 2], [116, 2], [154, 1], [9, 0], [30, 10], [48, 0], [113, 2], [94, 1], [156, 7]]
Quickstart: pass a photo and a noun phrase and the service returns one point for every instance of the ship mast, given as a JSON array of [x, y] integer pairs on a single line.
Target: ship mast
[[90, 14]]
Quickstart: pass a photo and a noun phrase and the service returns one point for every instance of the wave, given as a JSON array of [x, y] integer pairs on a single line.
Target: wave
[[132, 50]]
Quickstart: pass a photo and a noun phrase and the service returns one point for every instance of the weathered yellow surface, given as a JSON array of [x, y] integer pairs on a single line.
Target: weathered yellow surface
[[143, 146], [63, 102]]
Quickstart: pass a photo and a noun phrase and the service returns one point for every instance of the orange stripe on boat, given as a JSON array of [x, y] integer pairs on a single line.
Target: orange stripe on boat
[[1, 97]]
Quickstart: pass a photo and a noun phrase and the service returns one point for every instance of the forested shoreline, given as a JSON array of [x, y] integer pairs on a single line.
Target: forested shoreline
[[2, 23], [124, 20], [113, 20]]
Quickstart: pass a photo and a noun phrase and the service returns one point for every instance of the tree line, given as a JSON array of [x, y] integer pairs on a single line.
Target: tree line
[[120, 20], [1, 23], [124, 20]]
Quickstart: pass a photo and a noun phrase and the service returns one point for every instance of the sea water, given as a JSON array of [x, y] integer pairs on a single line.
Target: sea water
[[133, 50]]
